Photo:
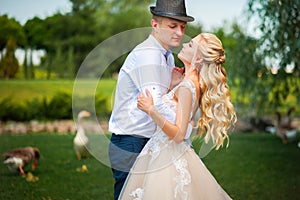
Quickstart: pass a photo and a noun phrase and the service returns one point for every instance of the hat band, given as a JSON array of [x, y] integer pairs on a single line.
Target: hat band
[[169, 13]]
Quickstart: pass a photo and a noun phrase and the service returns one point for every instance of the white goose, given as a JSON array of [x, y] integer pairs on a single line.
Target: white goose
[[284, 128], [81, 141]]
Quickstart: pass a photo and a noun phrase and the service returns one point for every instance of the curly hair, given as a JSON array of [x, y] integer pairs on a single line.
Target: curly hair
[[217, 111]]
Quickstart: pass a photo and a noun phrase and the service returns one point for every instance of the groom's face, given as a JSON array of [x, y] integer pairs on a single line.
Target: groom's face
[[169, 31]]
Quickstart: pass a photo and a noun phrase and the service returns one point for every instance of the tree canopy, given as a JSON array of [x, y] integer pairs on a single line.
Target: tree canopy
[[10, 29], [278, 48], [280, 27]]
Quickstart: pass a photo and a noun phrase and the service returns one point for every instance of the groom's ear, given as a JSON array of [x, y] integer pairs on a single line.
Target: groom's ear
[[154, 23]]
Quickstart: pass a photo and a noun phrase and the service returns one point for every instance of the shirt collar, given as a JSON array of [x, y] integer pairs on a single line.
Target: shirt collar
[[164, 51]]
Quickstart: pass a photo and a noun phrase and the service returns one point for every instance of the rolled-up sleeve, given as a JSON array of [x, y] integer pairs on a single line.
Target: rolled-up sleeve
[[154, 75]]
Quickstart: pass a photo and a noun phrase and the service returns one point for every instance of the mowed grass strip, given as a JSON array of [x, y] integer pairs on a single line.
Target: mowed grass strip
[[22, 90]]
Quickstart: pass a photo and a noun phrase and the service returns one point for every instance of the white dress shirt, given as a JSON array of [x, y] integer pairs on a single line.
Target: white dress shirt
[[148, 66]]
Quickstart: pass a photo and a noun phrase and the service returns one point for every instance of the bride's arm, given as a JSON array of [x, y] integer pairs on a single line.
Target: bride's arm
[[175, 131]]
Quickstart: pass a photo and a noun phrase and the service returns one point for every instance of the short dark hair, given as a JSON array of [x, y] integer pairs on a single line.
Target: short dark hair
[[157, 18]]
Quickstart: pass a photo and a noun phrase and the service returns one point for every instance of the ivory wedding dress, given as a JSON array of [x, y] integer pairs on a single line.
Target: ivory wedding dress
[[165, 170]]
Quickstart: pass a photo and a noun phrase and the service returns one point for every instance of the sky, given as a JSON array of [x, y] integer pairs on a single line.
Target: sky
[[209, 13]]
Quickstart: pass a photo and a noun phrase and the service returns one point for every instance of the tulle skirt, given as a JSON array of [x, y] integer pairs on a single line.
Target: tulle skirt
[[165, 170]]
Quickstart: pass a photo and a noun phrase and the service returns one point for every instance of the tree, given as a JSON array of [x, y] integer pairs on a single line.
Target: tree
[[11, 37], [82, 31], [243, 66], [9, 63], [10, 29], [35, 31], [279, 45], [280, 27], [114, 17]]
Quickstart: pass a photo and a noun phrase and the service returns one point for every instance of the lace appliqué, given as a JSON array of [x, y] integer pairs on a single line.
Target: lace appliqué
[[137, 194], [154, 145], [184, 178], [160, 140]]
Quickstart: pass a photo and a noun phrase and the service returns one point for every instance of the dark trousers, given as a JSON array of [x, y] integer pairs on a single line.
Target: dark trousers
[[123, 150]]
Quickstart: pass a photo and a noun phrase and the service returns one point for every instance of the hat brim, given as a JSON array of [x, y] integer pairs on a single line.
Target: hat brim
[[171, 15]]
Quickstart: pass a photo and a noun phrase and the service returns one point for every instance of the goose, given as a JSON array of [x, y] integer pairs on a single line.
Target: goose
[[19, 158], [81, 141], [283, 128]]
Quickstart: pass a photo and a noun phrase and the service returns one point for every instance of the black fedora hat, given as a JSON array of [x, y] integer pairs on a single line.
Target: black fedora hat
[[174, 9]]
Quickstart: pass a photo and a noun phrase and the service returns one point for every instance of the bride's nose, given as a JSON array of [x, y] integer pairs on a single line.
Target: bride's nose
[[184, 45]]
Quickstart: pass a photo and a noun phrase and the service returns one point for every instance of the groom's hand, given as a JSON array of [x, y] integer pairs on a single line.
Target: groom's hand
[[177, 76]]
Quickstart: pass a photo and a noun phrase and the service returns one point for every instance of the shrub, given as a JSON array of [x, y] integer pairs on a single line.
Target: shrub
[[58, 107], [12, 111]]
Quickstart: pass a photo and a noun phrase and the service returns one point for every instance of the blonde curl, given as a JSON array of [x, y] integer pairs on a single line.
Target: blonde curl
[[217, 111]]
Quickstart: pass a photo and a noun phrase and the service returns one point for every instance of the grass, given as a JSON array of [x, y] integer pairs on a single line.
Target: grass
[[254, 167], [257, 166], [23, 90], [57, 171]]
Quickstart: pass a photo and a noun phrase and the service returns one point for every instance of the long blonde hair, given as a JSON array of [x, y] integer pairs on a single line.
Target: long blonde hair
[[217, 112]]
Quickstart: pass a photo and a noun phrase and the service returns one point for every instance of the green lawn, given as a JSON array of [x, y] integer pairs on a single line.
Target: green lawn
[[257, 166], [57, 171], [22, 90], [254, 167]]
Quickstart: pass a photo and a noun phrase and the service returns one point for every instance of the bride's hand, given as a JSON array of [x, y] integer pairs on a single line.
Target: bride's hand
[[145, 103]]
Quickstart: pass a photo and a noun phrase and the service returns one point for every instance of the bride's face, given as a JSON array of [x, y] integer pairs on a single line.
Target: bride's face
[[187, 52]]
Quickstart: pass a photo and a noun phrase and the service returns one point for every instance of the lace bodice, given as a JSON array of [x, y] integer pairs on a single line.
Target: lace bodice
[[170, 104], [168, 98]]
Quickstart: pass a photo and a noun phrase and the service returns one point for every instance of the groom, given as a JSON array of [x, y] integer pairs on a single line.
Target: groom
[[148, 66]]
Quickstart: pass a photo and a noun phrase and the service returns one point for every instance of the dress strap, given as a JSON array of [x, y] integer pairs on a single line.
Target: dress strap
[[189, 84]]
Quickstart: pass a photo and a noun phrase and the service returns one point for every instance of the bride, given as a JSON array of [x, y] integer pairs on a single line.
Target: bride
[[168, 168]]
